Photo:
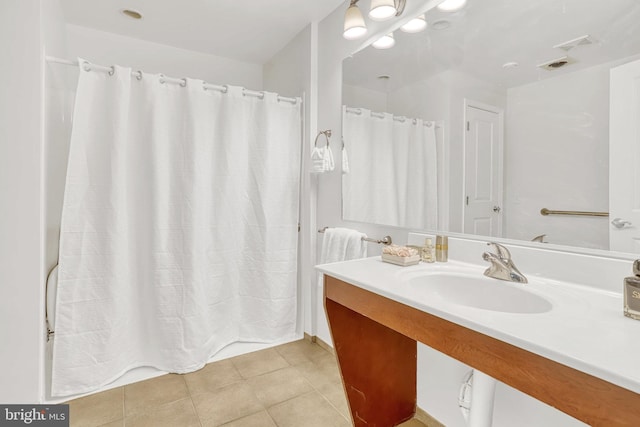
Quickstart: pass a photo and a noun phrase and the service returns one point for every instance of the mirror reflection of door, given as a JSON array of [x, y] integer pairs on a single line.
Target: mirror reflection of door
[[483, 169], [624, 158]]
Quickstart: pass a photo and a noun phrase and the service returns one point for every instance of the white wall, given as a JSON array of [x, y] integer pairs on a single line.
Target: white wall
[[108, 48], [21, 278], [557, 157], [358, 97], [290, 73], [438, 376]]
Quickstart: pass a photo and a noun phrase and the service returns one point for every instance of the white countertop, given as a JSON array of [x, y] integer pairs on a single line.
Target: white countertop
[[586, 328]]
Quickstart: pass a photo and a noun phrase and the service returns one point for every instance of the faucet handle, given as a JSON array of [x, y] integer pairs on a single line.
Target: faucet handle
[[501, 251]]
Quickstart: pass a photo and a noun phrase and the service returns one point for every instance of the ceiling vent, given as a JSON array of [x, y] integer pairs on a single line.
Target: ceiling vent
[[580, 41], [554, 64]]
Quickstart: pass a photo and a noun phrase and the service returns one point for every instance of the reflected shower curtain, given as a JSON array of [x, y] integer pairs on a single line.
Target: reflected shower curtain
[[179, 227], [393, 170]]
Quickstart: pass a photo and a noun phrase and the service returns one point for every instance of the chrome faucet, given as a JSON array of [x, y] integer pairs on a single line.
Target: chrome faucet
[[502, 266]]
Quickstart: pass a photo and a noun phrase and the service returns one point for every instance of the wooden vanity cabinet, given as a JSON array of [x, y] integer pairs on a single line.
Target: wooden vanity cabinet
[[375, 339]]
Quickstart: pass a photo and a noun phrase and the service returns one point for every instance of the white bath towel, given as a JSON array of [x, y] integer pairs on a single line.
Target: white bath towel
[[338, 244], [342, 244]]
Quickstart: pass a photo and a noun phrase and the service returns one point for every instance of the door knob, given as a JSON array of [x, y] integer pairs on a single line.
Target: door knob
[[497, 209], [620, 223]]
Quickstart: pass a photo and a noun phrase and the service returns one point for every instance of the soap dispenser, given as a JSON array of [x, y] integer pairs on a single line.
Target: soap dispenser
[[632, 293]]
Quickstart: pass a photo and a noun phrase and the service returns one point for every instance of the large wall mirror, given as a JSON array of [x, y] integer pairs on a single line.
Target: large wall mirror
[[496, 112]]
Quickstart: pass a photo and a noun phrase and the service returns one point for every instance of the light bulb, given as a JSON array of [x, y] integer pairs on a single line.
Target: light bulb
[[384, 42], [415, 25], [382, 10], [452, 5]]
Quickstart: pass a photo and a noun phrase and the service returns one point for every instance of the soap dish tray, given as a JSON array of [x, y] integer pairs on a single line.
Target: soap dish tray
[[401, 260]]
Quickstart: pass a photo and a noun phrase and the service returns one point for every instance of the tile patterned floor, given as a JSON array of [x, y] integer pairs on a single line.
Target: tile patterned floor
[[292, 385]]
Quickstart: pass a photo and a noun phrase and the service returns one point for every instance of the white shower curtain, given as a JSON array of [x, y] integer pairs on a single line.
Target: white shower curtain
[[179, 227], [393, 170]]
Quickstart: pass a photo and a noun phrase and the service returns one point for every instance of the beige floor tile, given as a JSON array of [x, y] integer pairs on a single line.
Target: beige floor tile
[[327, 360], [226, 404], [260, 419], [212, 377], [334, 393], [119, 423], [259, 362], [300, 351], [147, 395], [426, 419], [278, 386], [181, 413], [322, 371], [412, 423], [309, 410], [97, 409]]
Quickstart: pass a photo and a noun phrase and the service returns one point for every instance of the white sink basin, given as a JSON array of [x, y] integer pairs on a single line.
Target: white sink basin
[[479, 292]]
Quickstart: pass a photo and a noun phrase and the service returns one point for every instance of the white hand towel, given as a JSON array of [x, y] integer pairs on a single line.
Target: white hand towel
[[345, 161], [329, 164], [317, 160]]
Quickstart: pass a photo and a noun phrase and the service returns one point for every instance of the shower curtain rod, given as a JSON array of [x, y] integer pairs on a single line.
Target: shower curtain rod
[[400, 119], [88, 66]]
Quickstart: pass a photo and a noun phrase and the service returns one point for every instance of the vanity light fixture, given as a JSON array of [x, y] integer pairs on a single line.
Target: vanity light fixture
[[354, 26], [416, 25], [381, 10], [385, 42], [451, 5]]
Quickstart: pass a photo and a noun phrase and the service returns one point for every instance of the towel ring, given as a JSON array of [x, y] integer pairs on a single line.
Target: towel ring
[[327, 135]]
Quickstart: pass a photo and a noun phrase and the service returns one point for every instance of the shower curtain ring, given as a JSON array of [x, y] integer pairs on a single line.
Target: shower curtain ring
[[138, 75], [183, 83], [161, 79], [112, 70], [86, 65]]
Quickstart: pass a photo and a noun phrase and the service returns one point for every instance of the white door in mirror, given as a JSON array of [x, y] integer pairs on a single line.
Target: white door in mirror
[[624, 158], [483, 170]]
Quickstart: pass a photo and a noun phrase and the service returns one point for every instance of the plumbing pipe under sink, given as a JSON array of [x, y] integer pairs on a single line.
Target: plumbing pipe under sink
[[476, 398]]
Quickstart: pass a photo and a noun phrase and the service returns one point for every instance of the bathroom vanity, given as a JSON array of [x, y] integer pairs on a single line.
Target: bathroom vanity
[[567, 345]]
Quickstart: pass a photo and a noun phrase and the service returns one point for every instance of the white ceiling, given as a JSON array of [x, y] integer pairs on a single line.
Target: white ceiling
[[488, 33], [245, 30]]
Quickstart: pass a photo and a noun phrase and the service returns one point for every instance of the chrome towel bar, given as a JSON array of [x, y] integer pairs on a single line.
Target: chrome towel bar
[[386, 240], [545, 212]]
